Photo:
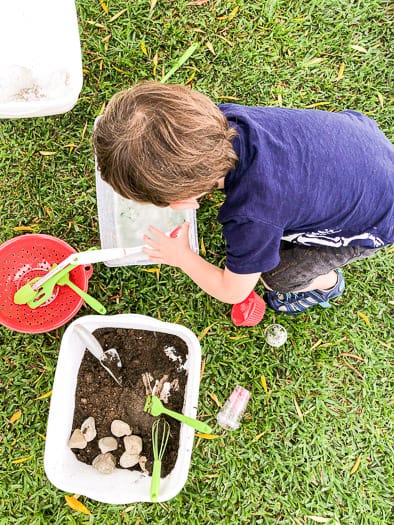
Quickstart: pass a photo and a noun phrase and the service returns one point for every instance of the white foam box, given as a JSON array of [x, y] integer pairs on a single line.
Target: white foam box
[[123, 222], [122, 486], [40, 63]]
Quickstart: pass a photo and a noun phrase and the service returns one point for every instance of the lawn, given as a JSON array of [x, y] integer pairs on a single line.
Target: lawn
[[316, 444]]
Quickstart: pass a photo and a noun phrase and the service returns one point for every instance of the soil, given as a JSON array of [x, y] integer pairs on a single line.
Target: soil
[[98, 395]]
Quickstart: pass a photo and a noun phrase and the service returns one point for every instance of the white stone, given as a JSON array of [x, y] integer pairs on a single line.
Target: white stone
[[77, 439], [120, 428], [133, 444], [104, 463], [142, 462], [107, 444], [128, 460], [88, 429]]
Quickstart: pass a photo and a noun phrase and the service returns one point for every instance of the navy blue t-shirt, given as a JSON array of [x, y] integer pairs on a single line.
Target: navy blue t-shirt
[[306, 176]]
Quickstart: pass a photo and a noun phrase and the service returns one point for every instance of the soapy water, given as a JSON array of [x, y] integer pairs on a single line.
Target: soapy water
[[132, 220], [275, 335]]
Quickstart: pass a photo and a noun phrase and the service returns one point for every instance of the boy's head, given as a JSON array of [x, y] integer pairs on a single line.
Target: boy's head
[[162, 143]]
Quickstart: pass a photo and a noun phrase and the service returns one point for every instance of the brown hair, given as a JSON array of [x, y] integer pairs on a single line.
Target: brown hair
[[161, 143]]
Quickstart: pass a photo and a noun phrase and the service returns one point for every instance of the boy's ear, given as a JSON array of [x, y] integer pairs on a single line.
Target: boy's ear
[[186, 204]]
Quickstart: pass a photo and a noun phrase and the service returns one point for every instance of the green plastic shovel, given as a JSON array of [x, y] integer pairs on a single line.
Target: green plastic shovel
[[155, 407], [91, 301]]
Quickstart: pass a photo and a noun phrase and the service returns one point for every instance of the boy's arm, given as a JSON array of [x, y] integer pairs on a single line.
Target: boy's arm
[[224, 285]]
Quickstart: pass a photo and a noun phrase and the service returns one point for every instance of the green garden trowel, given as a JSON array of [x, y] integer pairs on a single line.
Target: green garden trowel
[[155, 407]]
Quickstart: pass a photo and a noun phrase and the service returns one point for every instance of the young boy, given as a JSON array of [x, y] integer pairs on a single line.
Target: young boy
[[306, 191]]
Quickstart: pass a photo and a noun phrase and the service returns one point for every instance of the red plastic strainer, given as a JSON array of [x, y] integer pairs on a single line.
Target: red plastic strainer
[[25, 257]]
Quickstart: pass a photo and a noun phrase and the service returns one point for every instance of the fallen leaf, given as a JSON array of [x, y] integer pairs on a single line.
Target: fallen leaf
[[314, 61], [155, 64], [349, 365], [22, 460], [115, 17], [260, 435], [153, 270], [205, 331], [95, 24], [297, 407], [44, 396], [228, 97], [84, 131], [152, 4], [47, 153], [316, 344], [364, 318], [356, 465], [359, 48], [202, 248], [318, 519], [353, 356], [210, 47], [317, 104], [198, 2], [102, 108], [202, 368], [76, 505], [233, 13], [207, 436], [264, 384], [381, 101], [214, 398], [24, 229], [104, 6], [143, 48], [190, 79], [341, 71], [15, 416]]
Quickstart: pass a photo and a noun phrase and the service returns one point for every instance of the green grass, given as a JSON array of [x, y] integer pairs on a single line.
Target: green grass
[[291, 460]]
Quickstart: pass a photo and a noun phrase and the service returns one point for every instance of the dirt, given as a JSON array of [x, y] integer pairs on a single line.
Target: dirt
[[98, 395]]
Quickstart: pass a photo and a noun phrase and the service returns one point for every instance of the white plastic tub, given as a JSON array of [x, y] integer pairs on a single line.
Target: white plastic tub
[[40, 63], [122, 486], [123, 222]]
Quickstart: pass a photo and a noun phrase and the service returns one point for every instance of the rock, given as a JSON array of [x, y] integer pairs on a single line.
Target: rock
[[120, 428], [107, 444], [104, 463], [128, 460], [133, 444], [88, 429], [142, 461], [77, 439]]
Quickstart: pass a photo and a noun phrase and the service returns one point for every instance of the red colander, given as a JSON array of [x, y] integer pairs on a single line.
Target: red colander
[[28, 256]]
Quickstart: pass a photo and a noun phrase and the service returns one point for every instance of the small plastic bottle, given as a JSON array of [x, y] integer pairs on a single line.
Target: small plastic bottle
[[231, 414]]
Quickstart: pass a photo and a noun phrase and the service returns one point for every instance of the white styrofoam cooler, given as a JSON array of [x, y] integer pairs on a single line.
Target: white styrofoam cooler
[[122, 486], [40, 63]]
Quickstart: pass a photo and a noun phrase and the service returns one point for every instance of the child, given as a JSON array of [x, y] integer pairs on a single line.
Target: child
[[306, 191]]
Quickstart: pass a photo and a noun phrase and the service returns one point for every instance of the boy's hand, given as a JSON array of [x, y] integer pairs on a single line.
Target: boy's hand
[[168, 250]]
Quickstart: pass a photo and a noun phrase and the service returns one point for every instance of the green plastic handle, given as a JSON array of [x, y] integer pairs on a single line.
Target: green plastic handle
[[195, 423], [155, 483], [91, 301]]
